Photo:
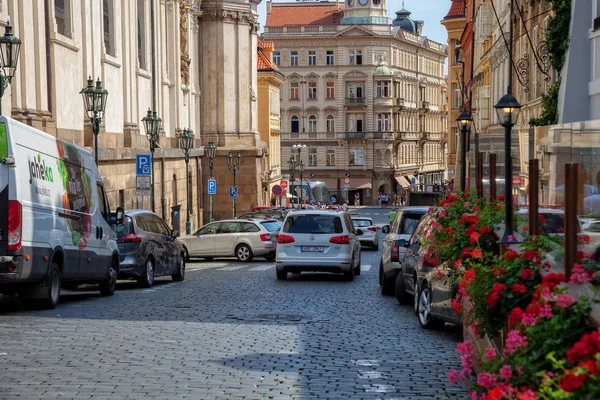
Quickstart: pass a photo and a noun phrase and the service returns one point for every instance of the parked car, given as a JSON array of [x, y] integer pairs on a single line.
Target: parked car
[[240, 238], [54, 218], [370, 235], [392, 255], [149, 248], [433, 303], [318, 241], [277, 214]]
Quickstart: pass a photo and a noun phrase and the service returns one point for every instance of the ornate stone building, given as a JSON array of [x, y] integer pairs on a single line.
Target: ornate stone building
[[365, 94], [206, 80]]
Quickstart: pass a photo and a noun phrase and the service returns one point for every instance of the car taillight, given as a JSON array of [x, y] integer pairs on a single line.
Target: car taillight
[[265, 237], [372, 229], [584, 238], [340, 240], [131, 238], [395, 253], [284, 239], [15, 213]]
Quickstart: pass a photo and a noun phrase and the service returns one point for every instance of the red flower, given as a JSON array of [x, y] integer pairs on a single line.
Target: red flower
[[515, 315], [476, 253], [470, 275], [493, 297], [456, 305], [552, 280], [485, 230], [500, 198], [512, 255], [527, 274], [466, 252], [519, 288], [528, 255], [585, 348], [474, 238], [494, 394], [470, 230], [571, 382], [498, 271], [475, 208], [591, 365], [451, 199]]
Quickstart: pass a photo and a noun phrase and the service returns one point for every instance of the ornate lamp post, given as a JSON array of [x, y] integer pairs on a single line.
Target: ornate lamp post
[[292, 163], [507, 110], [152, 125], [464, 121], [298, 147], [211, 152], [301, 170], [94, 100], [186, 142], [10, 47], [234, 163]]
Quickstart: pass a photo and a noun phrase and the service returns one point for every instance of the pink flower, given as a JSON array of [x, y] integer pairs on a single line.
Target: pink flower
[[579, 275], [564, 300], [528, 394], [545, 311], [465, 348], [519, 371], [514, 341], [452, 376], [548, 375], [486, 380], [506, 372], [528, 319], [473, 395], [490, 352]]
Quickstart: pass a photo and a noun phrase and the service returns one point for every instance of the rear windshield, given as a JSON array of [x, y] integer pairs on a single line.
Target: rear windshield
[[125, 229], [409, 223], [553, 223], [360, 223], [313, 223], [271, 226]]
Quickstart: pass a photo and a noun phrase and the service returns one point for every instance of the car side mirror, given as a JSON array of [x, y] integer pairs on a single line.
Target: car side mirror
[[385, 229], [359, 232], [120, 216], [174, 233], [401, 243]]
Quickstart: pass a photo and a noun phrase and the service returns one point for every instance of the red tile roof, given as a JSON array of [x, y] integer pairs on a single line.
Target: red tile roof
[[291, 14], [264, 62], [457, 9]]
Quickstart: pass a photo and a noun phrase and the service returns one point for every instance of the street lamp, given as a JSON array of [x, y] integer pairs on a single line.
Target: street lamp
[[152, 125], [292, 163], [507, 110], [186, 142], [10, 47], [211, 151], [298, 147], [233, 163], [94, 100], [464, 121], [301, 170]]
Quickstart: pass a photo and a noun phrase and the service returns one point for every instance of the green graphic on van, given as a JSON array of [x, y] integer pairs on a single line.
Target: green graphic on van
[[39, 170], [3, 141], [77, 195]]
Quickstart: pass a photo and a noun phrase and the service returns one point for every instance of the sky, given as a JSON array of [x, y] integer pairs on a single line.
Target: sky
[[430, 11]]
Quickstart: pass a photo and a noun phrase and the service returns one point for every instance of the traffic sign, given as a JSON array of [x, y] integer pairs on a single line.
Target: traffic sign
[[345, 188], [283, 184], [143, 165], [142, 186], [346, 181], [233, 192], [212, 186], [517, 181], [277, 190]]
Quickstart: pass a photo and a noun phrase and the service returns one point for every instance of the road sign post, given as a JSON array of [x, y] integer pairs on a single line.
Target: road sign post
[[233, 195], [212, 189], [143, 172]]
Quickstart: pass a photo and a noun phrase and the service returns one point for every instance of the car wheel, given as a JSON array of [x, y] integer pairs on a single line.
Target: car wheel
[[387, 287], [376, 247], [416, 296], [52, 292], [180, 274], [349, 275], [357, 269], [243, 253], [400, 290], [426, 320], [270, 257], [147, 279], [281, 275], [109, 284], [186, 254]]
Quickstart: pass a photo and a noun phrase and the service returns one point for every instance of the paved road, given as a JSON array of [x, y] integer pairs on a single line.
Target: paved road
[[230, 331]]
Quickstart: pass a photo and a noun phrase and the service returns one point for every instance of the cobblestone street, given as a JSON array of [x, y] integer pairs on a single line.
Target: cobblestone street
[[229, 331]]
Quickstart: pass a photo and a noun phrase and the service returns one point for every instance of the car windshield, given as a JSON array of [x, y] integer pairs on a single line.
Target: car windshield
[[271, 226], [314, 224], [409, 223], [360, 223], [553, 223]]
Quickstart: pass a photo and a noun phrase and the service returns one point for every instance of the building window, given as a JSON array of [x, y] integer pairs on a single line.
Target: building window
[[312, 123], [277, 58], [355, 90], [62, 15], [294, 58], [355, 156], [312, 157], [141, 34], [331, 90], [312, 90], [330, 122], [383, 122], [457, 97], [312, 58], [330, 160], [355, 57], [355, 123], [329, 58], [294, 91], [108, 28], [295, 125], [383, 89]]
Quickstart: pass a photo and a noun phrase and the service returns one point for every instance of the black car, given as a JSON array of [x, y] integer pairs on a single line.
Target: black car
[[149, 248]]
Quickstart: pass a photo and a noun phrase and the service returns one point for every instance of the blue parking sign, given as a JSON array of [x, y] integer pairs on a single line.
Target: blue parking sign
[[143, 166], [233, 192], [212, 186]]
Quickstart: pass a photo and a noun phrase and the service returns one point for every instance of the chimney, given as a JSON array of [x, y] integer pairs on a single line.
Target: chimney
[[419, 27], [269, 7], [267, 49]]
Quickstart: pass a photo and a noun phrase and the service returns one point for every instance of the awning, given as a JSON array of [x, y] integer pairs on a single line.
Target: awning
[[290, 196], [410, 179], [402, 181], [360, 183]]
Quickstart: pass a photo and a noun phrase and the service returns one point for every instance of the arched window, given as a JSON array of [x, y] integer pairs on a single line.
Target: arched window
[[330, 124], [295, 128], [312, 123]]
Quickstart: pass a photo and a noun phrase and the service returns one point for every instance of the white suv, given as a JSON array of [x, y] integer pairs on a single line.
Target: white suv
[[318, 240]]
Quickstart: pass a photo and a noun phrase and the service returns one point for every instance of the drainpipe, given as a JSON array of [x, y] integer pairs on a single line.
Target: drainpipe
[[200, 196], [163, 200], [49, 79]]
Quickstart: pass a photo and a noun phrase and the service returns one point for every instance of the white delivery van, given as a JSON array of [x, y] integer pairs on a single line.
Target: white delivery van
[[54, 214]]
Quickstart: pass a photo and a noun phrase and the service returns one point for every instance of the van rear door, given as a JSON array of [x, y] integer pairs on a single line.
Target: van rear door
[[9, 210]]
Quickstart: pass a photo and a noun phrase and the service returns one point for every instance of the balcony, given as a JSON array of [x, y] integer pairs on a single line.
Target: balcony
[[383, 101], [399, 103], [409, 136], [355, 102], [302, 136], [424, 106], [356, 135]]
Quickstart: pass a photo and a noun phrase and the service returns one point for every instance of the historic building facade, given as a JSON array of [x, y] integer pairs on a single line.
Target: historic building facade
[[366, 95], [205, 80]]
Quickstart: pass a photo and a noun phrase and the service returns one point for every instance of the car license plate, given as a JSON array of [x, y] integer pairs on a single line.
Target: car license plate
[[311, 249]]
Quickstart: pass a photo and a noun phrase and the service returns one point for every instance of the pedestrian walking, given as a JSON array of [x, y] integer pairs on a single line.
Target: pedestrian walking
[[356, 200], [392, 215], [345, 206]]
